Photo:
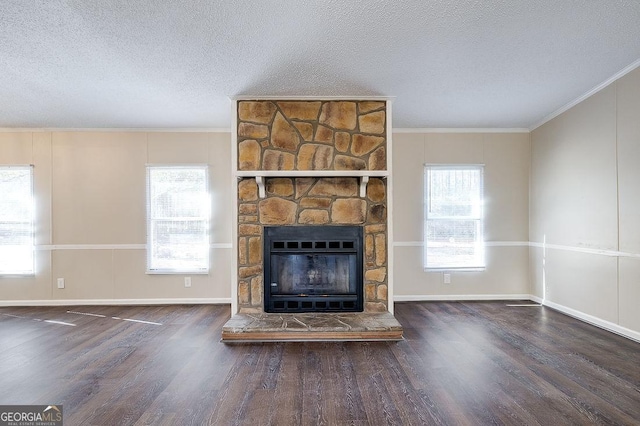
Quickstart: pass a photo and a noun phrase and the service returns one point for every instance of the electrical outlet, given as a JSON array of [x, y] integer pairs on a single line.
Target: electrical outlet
[[446, 278], [60, 282], [187, 281]]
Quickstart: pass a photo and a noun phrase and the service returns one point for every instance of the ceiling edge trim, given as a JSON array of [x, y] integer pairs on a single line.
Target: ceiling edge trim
[[115, 129], [626, 70], [460, 130]]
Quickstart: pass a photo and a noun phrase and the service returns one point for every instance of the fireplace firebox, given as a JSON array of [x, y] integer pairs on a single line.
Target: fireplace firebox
[[313, 269]]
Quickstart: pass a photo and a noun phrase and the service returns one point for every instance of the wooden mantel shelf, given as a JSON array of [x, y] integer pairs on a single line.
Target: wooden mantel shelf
[[363, 175]]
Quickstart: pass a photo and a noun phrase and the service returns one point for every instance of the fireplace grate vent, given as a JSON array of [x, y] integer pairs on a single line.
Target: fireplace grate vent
[[313, 245], [313, 305]]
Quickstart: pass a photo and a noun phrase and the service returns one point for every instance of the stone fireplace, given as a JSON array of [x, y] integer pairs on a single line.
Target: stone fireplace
[[311, 164]]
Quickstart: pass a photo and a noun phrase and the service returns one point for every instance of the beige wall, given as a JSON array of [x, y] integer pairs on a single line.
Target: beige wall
[[581, 202], [90, 194], [90, 225], [506, 157], [585, 205]]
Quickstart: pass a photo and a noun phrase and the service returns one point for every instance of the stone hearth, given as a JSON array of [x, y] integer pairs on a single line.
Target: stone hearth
[[312, 327]]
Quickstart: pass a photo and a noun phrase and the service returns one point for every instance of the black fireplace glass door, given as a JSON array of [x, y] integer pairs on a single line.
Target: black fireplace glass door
[[313, 273], [313, 268]]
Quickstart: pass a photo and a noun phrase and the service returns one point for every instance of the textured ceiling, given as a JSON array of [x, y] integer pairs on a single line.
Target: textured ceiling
[[174, 64]]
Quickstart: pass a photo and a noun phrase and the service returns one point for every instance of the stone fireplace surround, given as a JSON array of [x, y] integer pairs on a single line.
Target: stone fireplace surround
[[311, 162]]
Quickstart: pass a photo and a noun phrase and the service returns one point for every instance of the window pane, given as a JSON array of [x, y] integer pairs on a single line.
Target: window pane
[[16, 259], [179, 245], [453, 217], [454, 243], [16, 220], [178, 223], [16, 233], [453, 192], [178, 193]]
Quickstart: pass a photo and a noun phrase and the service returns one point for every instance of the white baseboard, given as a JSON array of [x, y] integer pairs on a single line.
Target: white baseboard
[[590, 319], [116, 302], [454, 297], [536, 299]]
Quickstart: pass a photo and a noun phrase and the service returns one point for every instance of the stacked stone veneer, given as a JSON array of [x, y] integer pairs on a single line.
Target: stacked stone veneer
[[311, 135]]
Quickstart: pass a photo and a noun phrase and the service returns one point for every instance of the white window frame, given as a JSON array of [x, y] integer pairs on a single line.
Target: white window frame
[[154, 269], [29, 221], [478, 218]]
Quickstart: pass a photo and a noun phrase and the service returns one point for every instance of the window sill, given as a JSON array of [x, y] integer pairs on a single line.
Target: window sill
[[185, 272]]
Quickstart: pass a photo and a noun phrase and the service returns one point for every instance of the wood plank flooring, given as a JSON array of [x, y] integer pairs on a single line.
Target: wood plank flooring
[[461, 363]]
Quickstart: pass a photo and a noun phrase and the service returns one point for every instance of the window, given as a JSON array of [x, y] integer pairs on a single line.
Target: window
[[177, 219], [453, 217], [16, 220]]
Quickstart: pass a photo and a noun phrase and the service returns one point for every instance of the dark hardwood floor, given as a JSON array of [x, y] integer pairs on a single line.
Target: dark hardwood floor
[[465, 363]]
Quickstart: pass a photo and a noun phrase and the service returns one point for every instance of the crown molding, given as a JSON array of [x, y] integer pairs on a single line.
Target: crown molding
[[599, 87], [115, 129], [459, 130]]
